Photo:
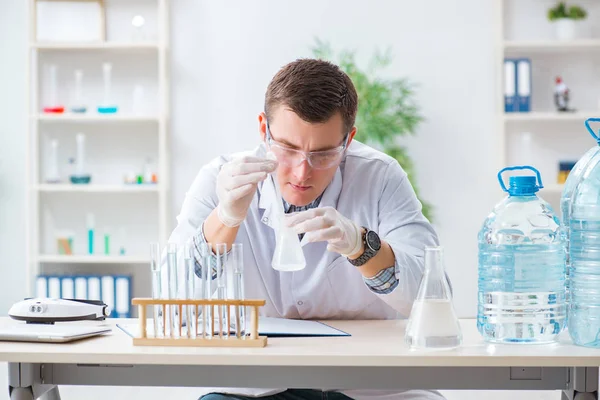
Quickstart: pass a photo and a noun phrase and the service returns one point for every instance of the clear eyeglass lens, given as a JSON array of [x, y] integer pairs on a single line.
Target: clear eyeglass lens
[[293, 158]]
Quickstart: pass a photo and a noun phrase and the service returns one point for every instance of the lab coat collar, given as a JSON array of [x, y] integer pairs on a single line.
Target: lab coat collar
[[268, 198]]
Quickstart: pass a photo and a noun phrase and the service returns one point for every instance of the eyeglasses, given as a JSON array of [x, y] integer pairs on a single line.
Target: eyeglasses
[[316, 159]]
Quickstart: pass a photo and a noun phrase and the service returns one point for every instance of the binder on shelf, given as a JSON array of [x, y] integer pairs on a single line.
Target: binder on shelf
[[108, 293], [511, 103], [115, 291], [123, 297], [81, 292], [94, 292], [41, 287], [67, 287], [54, 287], [524, 84]]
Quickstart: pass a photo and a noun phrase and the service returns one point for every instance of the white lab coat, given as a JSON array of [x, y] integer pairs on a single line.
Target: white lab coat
[[369, 188]]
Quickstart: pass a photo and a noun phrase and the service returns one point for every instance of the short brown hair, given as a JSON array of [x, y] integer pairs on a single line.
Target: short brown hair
[[315, 90]]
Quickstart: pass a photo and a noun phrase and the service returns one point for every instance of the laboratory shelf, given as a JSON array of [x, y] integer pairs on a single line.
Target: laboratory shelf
[[551, 45], [67, 188], [553, 188], [76, 46], [91, 259], [95, 117], [579, 116]]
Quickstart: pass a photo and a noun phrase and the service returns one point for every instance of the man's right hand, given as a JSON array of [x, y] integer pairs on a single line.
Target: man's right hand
[[236, 184]]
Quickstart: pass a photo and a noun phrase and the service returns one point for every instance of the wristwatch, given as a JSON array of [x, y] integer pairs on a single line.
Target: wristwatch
[[372, 244]]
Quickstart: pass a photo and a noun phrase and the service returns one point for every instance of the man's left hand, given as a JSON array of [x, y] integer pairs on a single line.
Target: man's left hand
[[327, 224]]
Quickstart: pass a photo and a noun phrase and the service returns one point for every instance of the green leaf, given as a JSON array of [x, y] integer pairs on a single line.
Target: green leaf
[[386, 107]]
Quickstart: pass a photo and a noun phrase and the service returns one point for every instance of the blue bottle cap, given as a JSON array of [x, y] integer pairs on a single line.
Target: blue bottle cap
[[522, 185]]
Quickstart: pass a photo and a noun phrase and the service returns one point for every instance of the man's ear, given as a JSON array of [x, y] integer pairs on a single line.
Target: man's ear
[[352, 133], [262, 126]]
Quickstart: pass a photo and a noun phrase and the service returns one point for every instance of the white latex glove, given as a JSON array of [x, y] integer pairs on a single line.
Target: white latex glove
[[327, 224], [236, 185]]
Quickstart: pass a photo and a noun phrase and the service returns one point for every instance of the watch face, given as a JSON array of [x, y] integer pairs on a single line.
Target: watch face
[[373, 240]]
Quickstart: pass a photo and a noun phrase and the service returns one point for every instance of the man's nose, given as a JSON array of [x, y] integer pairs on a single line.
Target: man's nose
[[302, 172]]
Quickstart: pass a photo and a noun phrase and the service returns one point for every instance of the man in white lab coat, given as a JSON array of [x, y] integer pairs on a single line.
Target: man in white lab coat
[[363, 232]]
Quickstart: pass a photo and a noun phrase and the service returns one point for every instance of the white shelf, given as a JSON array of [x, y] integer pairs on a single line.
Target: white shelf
[[553, 188], [94, 117], [580, 116], [94, 46], [68, 188], [552, 45], [91, 259]]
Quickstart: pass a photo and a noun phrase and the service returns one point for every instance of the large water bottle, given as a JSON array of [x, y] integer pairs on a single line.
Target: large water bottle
[[521, 296], [583, 218], [592, 156]]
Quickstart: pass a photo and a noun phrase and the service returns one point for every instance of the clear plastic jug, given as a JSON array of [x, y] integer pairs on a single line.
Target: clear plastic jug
[[582, 216], [521, 286]]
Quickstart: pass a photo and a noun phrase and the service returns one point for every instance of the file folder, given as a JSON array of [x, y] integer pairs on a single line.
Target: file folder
[[67, 287], [94, 288], [123, 290], [524, 84], [54, 287], [108, 293], [511, 103], [81, 288], [41, 287]]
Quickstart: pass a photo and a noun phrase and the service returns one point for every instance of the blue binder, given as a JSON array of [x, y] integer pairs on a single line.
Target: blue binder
[[524, 84], [511, 103]]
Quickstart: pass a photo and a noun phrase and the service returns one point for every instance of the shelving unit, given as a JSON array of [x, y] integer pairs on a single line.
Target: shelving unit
[[116, 145], [543, 137]]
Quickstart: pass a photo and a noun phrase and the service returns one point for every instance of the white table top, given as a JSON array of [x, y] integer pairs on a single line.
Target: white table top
[[373, 343]]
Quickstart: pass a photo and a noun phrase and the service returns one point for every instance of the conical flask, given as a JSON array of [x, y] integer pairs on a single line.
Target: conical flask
[[288, 255], [433, 323]]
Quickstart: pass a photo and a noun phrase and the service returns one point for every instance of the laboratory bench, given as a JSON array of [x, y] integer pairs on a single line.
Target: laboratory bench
[[373, 357]]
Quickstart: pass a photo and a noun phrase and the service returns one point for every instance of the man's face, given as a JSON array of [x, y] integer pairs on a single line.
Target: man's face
[[300, 182]]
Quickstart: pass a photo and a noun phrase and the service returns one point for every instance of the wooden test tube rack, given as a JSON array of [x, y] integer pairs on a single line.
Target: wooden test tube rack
[[200, 340]]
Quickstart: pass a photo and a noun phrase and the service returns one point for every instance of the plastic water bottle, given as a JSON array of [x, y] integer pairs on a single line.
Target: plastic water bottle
[[592, 156], [521, 296], [583, 216]]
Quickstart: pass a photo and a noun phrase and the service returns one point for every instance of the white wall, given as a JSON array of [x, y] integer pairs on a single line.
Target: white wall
[[224, 54]]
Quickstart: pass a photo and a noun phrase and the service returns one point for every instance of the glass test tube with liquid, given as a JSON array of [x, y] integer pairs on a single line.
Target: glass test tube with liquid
[[155, 270], [172, 273], [190, 288], [221, 254], [206, 290], [52, 105], [237, 267], [107, 106], [78, 103]]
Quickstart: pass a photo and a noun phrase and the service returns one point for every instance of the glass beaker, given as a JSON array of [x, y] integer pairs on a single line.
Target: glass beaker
[[433, 323]]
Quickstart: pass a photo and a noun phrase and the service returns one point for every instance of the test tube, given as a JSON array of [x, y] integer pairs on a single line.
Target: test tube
[[156, 287], [172, 271], [206, 292], [221, 250], [190, 288], [52, 105], [78, 105], [237, 266], [107, 107], [53, 176]]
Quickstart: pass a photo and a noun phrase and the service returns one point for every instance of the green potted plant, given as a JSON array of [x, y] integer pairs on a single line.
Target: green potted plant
[[565, 19], [386, 107]]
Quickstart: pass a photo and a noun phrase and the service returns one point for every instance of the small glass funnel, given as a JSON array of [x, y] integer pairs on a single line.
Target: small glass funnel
[[433, 323]]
